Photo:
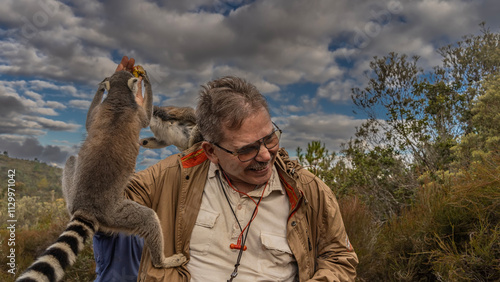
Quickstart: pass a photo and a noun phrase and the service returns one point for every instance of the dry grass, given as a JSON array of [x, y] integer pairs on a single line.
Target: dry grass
[[450, 233], [39, 225]]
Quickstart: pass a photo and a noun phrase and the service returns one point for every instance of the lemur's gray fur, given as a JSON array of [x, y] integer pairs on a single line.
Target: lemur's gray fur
[[173, 126], [94, 182]]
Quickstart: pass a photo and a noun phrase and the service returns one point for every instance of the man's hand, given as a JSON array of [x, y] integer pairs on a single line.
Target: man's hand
[[128, 65]]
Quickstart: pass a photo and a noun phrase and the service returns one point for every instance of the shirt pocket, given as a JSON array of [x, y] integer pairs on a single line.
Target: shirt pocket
[[203, 232], [276, 258]]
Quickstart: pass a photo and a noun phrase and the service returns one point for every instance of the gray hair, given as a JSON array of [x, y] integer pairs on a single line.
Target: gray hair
[[227, 101]]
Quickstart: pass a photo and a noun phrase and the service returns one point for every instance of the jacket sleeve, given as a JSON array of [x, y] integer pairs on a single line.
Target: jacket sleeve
[[142, 185], [336, 259]]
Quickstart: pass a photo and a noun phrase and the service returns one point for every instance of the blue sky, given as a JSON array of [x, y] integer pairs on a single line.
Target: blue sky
[[304, 56]]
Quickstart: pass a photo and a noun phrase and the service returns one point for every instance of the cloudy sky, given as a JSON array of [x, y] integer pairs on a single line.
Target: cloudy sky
[[304, 56]]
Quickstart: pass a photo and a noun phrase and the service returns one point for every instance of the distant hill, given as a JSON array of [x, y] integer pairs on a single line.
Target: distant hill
[[33, 178]]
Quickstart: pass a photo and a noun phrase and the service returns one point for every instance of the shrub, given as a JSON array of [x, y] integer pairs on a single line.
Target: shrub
[[39, 225], [450, 233]]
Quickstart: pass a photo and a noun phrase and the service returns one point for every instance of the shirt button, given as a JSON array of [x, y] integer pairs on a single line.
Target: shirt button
[[239, 207], [294, 223]]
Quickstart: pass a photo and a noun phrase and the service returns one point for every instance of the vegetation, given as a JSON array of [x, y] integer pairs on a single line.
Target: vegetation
[[419, 184], [33, 178], [41, 217]]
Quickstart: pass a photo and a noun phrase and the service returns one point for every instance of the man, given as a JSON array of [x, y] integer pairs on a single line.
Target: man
[[237, 206]]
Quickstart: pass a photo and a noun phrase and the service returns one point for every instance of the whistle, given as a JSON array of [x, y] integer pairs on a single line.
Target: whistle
[[237, 247]]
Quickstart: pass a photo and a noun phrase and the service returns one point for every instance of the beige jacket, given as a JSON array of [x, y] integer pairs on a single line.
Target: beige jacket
[[316, 234]]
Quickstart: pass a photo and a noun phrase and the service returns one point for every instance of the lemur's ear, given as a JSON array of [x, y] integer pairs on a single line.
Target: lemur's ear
[[132, 84], [105, 82]]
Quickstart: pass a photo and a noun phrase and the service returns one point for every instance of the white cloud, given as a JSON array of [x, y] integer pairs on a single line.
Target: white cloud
[[150, 154], [145, 162], [33, 95], [337, 90], [262, 85], [22, 113], [80, 104], [55, 105], [331, 129], [55, 125], [168, 151]]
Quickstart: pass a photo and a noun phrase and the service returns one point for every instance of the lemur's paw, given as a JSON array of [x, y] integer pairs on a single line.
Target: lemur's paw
[[172, 261]]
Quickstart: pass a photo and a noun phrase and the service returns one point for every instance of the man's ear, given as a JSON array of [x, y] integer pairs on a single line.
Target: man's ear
[[210, 152]]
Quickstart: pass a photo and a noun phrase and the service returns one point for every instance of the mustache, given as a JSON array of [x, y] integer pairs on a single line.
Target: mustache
[[258, 165]]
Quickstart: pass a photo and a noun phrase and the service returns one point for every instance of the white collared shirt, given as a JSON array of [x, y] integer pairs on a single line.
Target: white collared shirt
[[268, 256]]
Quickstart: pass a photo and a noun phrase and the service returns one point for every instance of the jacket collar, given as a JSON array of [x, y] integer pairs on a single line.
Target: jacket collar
[[193, 156], [287, 170]]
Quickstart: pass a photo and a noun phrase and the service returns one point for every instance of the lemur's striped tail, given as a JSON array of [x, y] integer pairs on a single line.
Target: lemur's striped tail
[[51, 264]]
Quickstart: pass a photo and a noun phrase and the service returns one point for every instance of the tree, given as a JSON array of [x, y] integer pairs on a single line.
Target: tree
[[377, 176], [394, 106], [484, 141], [465, 65], [319, 161], [423, 115]]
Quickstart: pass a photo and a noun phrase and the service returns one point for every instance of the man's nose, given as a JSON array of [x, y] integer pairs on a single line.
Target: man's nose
[[264, 155]]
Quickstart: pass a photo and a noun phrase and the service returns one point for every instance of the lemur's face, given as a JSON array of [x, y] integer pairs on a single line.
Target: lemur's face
[[245, 175]]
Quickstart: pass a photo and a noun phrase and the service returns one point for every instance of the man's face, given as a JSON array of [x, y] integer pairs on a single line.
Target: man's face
[[246, 175]]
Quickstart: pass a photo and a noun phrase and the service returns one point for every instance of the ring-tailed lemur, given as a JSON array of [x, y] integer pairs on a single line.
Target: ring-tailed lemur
[[172, 126], [95, 181]]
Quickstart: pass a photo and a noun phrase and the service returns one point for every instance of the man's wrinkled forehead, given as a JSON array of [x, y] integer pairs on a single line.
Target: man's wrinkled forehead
[[232, 125]]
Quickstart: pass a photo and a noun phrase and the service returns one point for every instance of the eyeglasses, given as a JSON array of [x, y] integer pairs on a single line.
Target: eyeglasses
[[249, 152]]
